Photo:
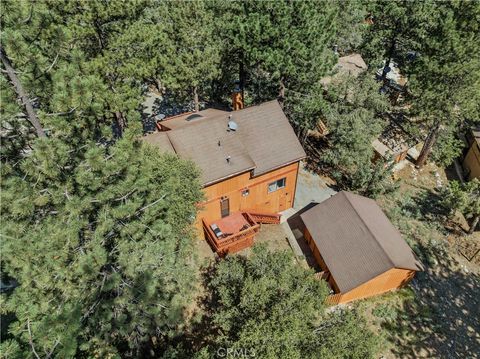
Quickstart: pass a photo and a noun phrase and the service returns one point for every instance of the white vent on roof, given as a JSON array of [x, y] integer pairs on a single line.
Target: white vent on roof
[[232, 125]]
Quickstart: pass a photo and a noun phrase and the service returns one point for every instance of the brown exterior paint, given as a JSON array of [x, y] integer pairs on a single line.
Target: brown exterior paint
[[392, 279], [258, 198], [471, 163]]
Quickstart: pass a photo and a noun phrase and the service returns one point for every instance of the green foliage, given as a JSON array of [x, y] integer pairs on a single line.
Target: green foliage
[[101, 246], [385, 312], [354, 121], [447, 148], [351, 26], [464, 198], [276, 45], [344, 335], [269, 305], [444, 78]]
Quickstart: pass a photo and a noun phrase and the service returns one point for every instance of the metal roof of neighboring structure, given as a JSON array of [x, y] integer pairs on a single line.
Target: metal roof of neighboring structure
[[263, 141], [356, 240], [352, 64]]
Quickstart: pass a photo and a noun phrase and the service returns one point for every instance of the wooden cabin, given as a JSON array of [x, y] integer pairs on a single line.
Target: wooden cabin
[[359, 251], [249, 162], [471, 161], [393, 143]]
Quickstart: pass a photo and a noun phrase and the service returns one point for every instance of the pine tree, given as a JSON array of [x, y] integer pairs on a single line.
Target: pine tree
[[101, 247], [464, 198], [433, 43], [276, 46], [445, 79], [354, 118], [271, 307], [97, 233]]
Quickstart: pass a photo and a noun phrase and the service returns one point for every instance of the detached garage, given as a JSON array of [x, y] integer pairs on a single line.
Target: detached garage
[[360, 252]]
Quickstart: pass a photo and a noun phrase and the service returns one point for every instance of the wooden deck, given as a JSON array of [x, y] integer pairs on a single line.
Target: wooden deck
[[238, 231]]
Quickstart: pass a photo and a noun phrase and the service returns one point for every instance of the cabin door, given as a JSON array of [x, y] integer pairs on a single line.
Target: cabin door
[[282, 202], [225, 207]]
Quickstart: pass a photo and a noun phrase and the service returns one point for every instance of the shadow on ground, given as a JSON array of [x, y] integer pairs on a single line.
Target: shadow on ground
[[442, 320], [298, 227]]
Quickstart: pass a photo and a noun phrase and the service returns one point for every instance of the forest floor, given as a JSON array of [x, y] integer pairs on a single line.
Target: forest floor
[[437, 316]]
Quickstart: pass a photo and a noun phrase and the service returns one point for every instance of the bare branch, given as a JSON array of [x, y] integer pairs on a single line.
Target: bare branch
[[53, 63], [62, 113], [30, 339], [22, 95]]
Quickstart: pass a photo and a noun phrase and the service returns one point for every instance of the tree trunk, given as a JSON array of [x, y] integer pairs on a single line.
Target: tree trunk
[[195, 99], [242, 80], [474, 224], [22, 95], [428, 145], [158, 85], [120, 124], [281, 92]]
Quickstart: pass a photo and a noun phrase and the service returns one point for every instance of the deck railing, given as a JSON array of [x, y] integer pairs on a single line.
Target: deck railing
[[235, 241], [267, 218], [333, 299]]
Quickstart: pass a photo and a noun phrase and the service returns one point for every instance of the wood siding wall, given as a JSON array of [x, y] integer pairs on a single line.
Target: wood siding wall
[[258, 198], [471, 163], [319, 259], [390, 280]]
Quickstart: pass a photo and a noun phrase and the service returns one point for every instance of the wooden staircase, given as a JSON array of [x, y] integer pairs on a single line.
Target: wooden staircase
[[265, 218]]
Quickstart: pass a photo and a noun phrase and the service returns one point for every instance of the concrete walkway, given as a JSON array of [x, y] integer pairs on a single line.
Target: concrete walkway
[[311, 189]]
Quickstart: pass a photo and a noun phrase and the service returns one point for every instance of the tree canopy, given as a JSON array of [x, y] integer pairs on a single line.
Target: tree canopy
[[271, 306], [97, 226]]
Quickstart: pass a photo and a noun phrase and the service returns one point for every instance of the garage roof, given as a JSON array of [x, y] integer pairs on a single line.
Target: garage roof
[[356, 240]]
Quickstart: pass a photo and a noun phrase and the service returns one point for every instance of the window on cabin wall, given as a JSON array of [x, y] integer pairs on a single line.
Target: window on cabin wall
[[278, 184]]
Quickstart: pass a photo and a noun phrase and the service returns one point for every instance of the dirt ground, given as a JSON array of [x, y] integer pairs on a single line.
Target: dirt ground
[[438, 315]]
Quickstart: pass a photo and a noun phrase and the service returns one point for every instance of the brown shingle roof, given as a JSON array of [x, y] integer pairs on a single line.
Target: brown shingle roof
[[199, 142], [160, 140], [181, 120], [263, 141], [268, 136], [356, 240]]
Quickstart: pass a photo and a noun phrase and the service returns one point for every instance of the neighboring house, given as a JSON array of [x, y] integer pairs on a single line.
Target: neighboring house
[[393, 143], [351, 65], [360, 252], [249, 161], [471, 162]]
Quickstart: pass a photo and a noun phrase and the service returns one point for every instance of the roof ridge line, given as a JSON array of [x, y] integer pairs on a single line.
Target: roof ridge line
[[368, 228], [170, 142]]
